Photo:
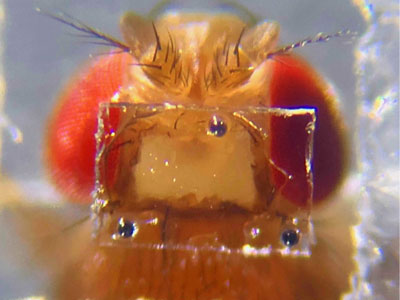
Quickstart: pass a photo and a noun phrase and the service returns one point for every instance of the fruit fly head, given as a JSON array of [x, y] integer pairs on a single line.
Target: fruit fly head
[[204, 115]]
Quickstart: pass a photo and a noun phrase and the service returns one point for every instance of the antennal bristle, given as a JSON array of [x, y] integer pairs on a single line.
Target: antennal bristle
[[236, 50], [320, 37], [158, 43], [91, 32]]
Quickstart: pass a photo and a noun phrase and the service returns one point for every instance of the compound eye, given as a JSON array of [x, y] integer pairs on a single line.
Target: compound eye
[[290, 237], [217, 127], [126, 229]]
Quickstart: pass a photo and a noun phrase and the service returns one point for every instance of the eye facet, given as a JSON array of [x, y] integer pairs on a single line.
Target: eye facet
[[217, 127], [290, 237], [126, 229]]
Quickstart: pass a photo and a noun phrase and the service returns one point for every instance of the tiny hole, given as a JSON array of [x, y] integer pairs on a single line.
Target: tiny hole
[[290, 237], [126, 229], [217, 127]]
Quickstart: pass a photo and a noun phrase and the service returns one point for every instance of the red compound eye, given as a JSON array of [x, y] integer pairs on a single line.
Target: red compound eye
[[295, 84], [70, 142]]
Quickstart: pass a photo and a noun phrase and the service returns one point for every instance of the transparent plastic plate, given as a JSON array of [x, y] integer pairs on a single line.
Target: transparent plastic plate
[[161, 167]]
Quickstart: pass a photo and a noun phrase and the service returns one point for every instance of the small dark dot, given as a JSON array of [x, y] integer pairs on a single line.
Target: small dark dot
[[217, 127], [290, 237], [126, 229]]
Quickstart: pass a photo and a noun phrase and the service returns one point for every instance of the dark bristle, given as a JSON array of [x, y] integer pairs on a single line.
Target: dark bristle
[[167, 53], [89, 31], [155, 54], [158, 43], [172, 41], [180, 75], [217, 63], [236, 50], [224, 48], [157, 36], [148, 66], [227, 55], [175, 61]]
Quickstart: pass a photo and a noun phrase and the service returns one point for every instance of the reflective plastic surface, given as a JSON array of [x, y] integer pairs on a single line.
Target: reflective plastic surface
[[164, 161]]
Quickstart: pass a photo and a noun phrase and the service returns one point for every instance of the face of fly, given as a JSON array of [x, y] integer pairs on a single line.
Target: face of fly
[[206, 60]]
